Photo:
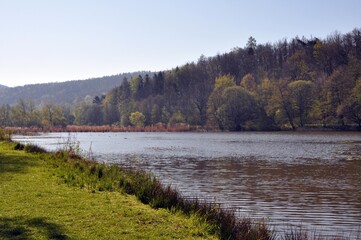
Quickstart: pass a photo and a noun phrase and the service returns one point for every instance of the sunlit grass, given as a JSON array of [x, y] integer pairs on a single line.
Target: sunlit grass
[[36, 203]]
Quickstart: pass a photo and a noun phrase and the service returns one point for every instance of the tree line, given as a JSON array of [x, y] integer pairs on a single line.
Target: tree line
[[63, 93], [290, 84]]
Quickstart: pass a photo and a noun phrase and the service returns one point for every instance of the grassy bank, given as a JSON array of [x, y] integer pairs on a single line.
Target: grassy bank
[[46, 196], [63, 196]]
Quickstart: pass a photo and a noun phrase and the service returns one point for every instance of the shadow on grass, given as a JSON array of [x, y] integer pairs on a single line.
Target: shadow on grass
[[23, 228], [11, 163]]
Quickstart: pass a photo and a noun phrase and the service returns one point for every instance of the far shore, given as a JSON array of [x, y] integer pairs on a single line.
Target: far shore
[[163, 128]]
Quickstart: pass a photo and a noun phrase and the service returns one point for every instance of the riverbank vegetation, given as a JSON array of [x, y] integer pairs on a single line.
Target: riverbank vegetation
[[63, 196], [292, 84], [37, 203]]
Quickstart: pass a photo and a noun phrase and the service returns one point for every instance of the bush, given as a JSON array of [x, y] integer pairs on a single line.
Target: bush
[[4, 135], [30, 148], [19, 146]]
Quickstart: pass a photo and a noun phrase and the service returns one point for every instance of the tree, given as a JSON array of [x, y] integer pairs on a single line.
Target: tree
[[251, 45], [279, 105], [250, 58], [301, 99], [352, 107], [297, 66], [156, 114], [110, 106], [158, 87], [5, 115], [137, 119], [148, 87], [201, 88], [125, 102], [19, 114], [53, 115], [94, 114], [215, 100], [137, 87], [177, 117], [249, 83], [238, 107], [337, 89]]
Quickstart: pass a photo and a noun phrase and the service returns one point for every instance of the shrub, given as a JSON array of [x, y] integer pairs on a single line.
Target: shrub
[[30, 148], [19, 146], [4, 135]]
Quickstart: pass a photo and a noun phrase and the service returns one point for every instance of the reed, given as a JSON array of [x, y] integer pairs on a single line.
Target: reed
[[159, 127], [298, 233]]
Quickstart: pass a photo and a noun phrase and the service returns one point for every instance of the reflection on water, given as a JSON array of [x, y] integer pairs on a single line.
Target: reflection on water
[[311, 179]]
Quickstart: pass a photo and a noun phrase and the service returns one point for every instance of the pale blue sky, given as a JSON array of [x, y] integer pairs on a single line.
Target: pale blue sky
[[60, 40]]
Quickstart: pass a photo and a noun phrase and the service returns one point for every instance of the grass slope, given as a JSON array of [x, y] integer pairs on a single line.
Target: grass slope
[[36, 204]]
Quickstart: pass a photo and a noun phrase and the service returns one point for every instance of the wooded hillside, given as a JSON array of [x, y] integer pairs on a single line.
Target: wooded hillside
[[60, 93], [289, 84]]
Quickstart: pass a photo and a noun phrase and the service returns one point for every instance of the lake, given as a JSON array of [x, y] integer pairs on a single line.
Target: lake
[[288, 178]]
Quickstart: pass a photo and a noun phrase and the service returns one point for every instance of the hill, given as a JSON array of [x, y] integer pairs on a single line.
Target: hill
[[2, 86], [291, 84], [60, 93]]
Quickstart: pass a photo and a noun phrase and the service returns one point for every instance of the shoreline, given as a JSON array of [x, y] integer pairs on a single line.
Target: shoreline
[[61, 196], [95, 177], [164, 128]]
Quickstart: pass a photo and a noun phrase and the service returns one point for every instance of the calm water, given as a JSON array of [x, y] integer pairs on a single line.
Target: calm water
[[308, 179]]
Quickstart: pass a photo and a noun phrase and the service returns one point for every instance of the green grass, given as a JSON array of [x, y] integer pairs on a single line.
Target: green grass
[[45, 197]]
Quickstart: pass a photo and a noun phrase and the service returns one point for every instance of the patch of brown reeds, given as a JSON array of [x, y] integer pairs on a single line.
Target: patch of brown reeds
[[159, 127]]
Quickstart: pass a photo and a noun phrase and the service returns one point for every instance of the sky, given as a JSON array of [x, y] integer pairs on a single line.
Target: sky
[[60, 40]]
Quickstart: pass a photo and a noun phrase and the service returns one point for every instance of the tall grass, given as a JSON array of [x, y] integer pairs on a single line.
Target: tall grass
[[159, 127]]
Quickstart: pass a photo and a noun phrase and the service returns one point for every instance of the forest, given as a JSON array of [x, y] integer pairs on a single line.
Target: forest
[[62, 93], [291, 84]]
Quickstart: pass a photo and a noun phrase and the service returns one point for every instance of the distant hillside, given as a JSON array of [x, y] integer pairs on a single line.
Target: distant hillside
[[63, 92], [2, 86]]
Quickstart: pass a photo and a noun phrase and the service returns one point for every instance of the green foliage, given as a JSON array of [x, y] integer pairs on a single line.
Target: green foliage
[[352, 107], [64, 93], [216, 99], [137, 119], [249, 83], [224, 82], [238, 107], [177, 117], [301, 99], [231, 107], [30, 148], [295, 83], [53, 116], [4, 135], [19, 146]]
